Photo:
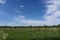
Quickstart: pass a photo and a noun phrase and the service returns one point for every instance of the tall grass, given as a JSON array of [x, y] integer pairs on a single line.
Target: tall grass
[[3, 35], [31, 34]]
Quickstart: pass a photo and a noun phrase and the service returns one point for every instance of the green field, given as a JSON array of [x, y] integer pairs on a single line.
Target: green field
[[30, 34]]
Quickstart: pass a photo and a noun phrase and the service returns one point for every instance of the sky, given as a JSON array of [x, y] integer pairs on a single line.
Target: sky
[[29, 12]]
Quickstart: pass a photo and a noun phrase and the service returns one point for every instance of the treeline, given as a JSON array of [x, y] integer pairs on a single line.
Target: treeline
[[45, 26]]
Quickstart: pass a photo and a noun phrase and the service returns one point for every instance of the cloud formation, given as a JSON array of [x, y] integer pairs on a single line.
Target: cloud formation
[[17, 11], [21, 6], [3, 13], [53, 11], [51, 16], [24, 20], [2, 1]]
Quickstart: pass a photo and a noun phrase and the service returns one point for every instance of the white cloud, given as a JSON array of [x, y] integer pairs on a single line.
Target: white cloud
[[51, 15], [24, 20], [2, 1], [53, 11], [51, 8], [21, 5]]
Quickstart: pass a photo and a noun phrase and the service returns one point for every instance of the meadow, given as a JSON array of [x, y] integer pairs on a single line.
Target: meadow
[[29, 34]]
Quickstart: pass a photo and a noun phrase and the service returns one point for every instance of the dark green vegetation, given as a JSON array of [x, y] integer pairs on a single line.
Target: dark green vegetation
[[30, 33], [45, 26]]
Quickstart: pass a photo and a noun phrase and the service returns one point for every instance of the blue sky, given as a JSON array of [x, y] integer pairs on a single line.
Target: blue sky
[[29, 12]]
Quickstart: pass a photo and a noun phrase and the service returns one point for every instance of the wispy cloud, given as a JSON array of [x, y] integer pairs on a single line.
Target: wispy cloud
[[24, 20], [53, 11], [3, 13], [17, 11], [51, 16], [21, 5], [2, 1]]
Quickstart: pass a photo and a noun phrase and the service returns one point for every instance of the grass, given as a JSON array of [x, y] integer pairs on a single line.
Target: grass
[[30, 34]]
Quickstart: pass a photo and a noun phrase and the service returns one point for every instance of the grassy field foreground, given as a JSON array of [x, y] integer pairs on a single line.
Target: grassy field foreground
[[30, 34]]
